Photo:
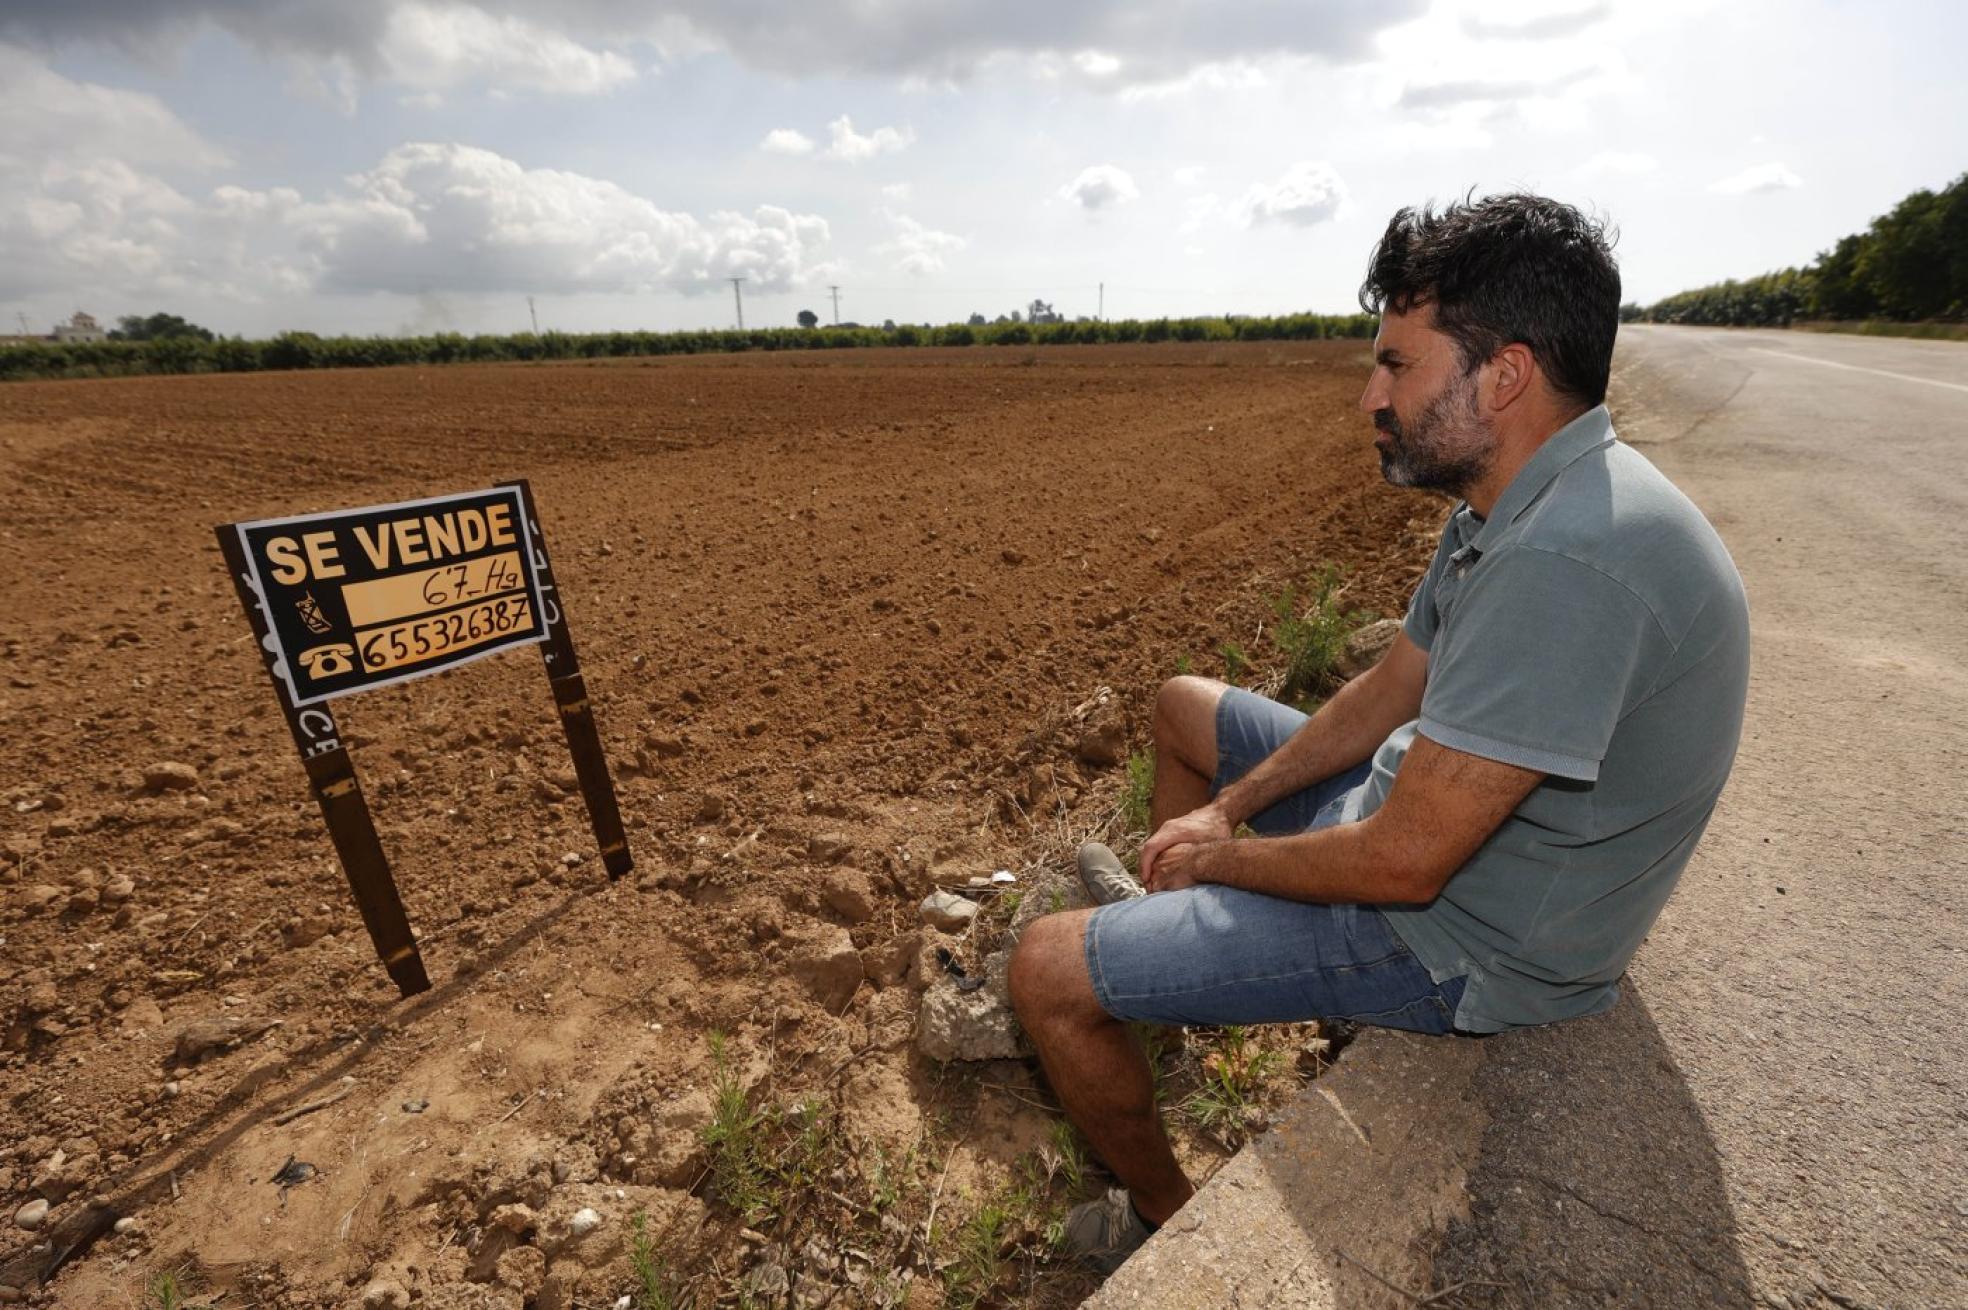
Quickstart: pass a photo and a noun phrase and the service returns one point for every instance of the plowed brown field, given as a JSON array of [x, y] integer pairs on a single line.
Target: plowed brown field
[[835, 611]]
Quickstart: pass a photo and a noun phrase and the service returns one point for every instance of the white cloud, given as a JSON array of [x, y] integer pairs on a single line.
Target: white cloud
[[438, 46], [900, 192], [786, 141], [850, 147], [1628, 163], [457, 218], [49, 116], [1539, 27], [1101, 186], [1772, 176], [1188, 175], [1096, 63], [1310, 192], [916, 248]]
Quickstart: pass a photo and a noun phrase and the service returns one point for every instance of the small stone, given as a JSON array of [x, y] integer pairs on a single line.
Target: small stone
[[948, 911], [416, 1105], [40, 895], [571, 859], [172, 1088], [85, 901], [827, 847], [125, 1225], [32, 1215], [1011, 556], [668, 747], [1365, 647], [585, 1221], [1102, 747], [710, 809], [306, 930], [846, 893], [202, 1037], [830, 967], [169, 775], [118, 890]]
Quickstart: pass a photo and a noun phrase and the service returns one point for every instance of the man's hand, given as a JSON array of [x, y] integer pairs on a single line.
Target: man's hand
[[1180, 866], [1207, 824]]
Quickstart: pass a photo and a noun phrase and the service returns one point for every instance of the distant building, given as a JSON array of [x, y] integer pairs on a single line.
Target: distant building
[[82, 327]]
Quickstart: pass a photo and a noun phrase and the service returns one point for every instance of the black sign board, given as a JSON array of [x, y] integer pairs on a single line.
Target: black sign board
[[345, 602]]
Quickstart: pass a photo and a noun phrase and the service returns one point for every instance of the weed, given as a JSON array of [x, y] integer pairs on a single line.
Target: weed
[[655, 1289], [1234, 1075], [1235, 663], [164, 1290], [1063, 1155], [738, 1169], [974, 1269], [1311, 638], [1138, 791], [1182, 663], [890, 1178], [1056, 899]]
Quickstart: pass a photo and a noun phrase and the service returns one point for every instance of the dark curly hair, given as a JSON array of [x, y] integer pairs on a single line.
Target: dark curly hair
[[1507, 268]]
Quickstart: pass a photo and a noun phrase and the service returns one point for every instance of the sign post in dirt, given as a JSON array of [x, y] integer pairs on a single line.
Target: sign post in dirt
[[348, 601]]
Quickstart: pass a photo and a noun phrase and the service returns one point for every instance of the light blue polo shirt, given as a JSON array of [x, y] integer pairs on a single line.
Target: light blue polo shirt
[[1593, 628]]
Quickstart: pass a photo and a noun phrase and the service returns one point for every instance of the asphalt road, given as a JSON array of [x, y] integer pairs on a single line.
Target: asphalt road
[[1778, 1114]]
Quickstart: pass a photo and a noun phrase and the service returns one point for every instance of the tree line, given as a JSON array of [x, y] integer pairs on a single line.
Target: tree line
[[297, 350], [1910, 265]]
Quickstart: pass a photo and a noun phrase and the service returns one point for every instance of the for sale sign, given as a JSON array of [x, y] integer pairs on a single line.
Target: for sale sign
[[367, 597]]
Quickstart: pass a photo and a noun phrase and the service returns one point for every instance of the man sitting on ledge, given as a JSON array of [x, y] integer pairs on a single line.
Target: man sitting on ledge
[[1477, 833]]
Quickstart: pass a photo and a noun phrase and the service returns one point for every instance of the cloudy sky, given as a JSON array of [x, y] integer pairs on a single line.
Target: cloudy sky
[[417, 165]]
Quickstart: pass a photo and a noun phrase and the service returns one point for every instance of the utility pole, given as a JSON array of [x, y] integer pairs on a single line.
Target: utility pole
[[1100, 315], [738, 296], [27, 331], [533, 315], [837, 303]]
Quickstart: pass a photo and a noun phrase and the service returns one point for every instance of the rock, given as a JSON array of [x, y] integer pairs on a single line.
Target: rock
[[674, 1155], [891, 962], [32, 1215], [830, 967], [710, 809], [1365, 647], [847, 894], [118, 890], [306, 930], [40, 896], [974, 1025], [42, 998], [1102, 747], [124, 1226], [585, 1221], [169, 775], [948, 911], [523, 1269], [667, 747], [827, 847], [203, 1037], [1010, 556], [385, 1294], [85, 901]]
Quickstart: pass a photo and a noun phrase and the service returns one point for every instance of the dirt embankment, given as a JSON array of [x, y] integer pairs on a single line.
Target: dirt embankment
[[835, 612]]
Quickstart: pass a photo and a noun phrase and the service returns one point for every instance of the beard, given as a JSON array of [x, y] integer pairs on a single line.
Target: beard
[[1448, 447]]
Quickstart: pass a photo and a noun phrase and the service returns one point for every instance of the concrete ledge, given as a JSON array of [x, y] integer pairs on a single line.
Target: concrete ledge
[[1369, 1161]]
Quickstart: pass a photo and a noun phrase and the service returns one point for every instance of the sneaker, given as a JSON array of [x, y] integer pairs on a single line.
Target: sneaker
[[1105, 877], [1105, 1232]]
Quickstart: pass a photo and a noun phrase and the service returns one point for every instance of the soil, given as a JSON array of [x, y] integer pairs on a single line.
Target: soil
[[843, 617]]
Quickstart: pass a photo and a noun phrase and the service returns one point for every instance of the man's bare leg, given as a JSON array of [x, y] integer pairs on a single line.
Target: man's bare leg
[[1096, 1067], [1185, 746]]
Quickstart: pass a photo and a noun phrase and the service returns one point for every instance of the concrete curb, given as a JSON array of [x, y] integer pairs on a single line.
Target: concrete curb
[[1369, 1161]]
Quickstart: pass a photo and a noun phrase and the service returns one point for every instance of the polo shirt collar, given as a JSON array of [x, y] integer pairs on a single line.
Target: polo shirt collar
[[1588, 432]]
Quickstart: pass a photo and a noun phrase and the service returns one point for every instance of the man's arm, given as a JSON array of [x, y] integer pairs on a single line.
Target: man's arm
[[1346, 730], [1443, 806]]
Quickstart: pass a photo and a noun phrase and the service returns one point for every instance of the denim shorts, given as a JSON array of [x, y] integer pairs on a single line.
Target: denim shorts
[[1213, 955]]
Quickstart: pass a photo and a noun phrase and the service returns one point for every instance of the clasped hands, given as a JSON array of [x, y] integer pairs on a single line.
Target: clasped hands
[[1174, 857]]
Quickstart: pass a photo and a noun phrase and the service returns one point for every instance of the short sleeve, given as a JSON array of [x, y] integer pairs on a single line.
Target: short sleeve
[[1420, 623], [1541, 658]]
